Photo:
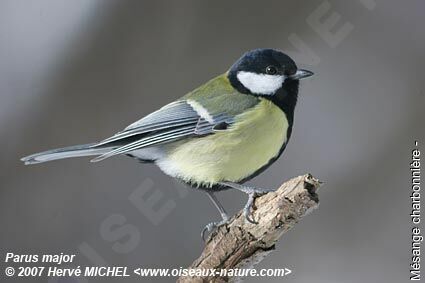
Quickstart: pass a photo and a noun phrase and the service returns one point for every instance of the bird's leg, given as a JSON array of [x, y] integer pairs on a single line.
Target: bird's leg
[[225, 218], [252, 192]]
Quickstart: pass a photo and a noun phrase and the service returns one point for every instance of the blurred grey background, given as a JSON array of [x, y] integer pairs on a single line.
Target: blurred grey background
[[78, 71]]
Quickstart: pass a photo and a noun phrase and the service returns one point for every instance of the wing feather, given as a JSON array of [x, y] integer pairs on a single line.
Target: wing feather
[[170, 123]]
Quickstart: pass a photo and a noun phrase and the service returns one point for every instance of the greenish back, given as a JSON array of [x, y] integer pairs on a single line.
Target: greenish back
[[218, 96]]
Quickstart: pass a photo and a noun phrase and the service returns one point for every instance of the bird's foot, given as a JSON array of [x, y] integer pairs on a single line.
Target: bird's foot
[[252, 194], [213, 226]]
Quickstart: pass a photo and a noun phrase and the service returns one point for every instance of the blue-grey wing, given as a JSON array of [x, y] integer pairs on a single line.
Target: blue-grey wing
[[172, 122]]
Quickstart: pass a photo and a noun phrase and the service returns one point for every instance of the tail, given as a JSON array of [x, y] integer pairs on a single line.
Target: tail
[[66, 152]]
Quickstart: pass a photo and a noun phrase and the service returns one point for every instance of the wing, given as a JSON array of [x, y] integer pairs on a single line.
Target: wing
[[172, 122], [192, 116]]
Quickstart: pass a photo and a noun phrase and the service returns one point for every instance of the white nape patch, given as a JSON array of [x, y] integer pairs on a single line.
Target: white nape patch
[[260, 83], [201, 110]]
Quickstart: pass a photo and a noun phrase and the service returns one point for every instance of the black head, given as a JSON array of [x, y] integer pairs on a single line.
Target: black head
[[263, 72]]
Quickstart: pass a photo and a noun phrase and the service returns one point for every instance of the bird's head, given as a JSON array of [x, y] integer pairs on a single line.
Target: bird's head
[[264, 72]]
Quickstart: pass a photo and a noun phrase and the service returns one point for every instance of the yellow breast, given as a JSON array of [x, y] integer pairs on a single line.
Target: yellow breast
[[231, 155]]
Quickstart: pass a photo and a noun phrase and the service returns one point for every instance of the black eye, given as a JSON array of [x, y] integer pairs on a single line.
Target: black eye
[[271, 70]]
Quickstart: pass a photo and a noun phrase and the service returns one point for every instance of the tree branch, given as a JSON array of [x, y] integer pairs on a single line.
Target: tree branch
[[240, 244]]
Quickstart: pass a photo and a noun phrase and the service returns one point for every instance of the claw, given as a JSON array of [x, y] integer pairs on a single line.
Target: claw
[[211, 226], [208, 228], [248, 218], [251, 197], [248, 206]]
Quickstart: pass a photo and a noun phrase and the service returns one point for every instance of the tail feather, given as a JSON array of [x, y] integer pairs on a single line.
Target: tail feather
[[65, 152]]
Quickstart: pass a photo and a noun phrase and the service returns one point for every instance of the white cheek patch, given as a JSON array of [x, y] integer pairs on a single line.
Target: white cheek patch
[[260, 83]]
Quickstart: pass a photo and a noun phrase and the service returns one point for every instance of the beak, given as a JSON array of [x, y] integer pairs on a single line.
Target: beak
[[301, 74]]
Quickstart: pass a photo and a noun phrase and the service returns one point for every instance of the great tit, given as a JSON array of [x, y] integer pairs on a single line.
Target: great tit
[[216, 137]]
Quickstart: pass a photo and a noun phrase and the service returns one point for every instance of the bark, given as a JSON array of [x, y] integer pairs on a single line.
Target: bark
[[241, 244]]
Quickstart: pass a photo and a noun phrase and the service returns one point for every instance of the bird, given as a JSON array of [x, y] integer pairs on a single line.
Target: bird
[[216, 137]]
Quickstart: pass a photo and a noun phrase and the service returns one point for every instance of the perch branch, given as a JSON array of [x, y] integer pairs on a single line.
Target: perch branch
[[240, 244]]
